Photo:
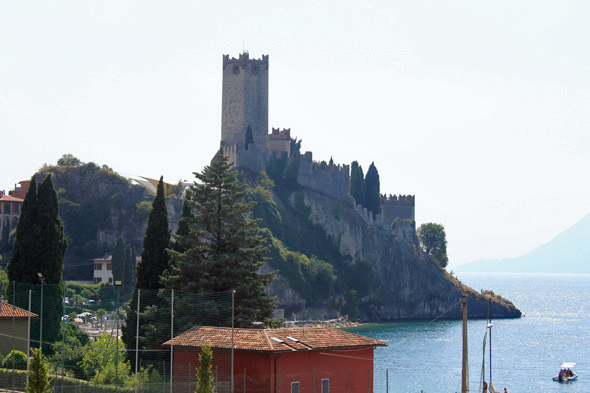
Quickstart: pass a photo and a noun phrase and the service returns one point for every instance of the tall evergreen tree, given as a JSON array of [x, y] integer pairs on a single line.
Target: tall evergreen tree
[[27, 244], [40, 248], [119, 260], [223, 249], [129, 266], [39, 381], [357, 189], [205, 377], [373, 190], [154, 261]]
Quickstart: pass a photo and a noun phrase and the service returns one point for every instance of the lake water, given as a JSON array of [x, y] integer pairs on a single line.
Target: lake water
[[527, 352]]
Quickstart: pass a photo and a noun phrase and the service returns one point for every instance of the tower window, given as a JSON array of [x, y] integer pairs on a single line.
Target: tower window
[[236, 69], [255, 69]]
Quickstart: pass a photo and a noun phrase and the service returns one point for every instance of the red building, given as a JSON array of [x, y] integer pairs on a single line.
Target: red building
[[289, 360]]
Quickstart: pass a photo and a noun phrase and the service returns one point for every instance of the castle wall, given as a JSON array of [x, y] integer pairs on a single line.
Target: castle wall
[[245, 100], [254, 158], [332, 181], [394, 206]]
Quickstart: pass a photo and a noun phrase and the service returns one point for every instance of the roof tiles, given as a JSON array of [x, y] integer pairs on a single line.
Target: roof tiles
[[9, 311], [273, 340]]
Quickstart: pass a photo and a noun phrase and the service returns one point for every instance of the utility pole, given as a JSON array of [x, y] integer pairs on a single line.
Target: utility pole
[[464, 371]]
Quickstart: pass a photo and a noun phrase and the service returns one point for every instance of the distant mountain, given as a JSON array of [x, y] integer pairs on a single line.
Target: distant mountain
[[568, 252]]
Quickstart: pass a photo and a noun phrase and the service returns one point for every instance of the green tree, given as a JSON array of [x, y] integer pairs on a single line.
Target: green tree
[[154, 261], [69, 160], [119, 260], [4, 238], [41, 249], [204, 375], [249, 136], [295, 145], [223, 250], [373, 190], [16, 359], [357, 186], [433, 241], [39, 381], [130, 262]]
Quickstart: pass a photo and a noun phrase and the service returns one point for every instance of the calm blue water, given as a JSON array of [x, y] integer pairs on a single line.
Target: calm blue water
[[526, 352]]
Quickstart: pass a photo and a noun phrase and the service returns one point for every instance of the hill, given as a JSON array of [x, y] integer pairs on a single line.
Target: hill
[[568, 252]]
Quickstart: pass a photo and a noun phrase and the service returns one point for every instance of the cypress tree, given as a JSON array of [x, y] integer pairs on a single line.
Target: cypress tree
[[119, 260], [205, 377], [373, 190], [223, 250], [357, 188], [27, 244], [154, 261], [130, 257], [39, 381], [40, 247]]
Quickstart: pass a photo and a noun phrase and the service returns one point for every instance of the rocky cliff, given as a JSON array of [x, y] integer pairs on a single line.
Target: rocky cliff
[[408, 284], [96, 207]]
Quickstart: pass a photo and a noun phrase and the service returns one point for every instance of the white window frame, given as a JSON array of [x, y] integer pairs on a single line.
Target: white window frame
[[295, 387]]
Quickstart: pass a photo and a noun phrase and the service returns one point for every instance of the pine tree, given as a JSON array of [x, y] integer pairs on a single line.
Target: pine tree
[[373, 190], [357, 189], [154, 261], [40, 247], [39, 381], [119, 260], [223, 250], [204, 375]]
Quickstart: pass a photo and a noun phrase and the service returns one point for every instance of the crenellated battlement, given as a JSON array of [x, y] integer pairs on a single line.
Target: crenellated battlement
[[285, 134], [331, 168], [397, 200], [244, 56]]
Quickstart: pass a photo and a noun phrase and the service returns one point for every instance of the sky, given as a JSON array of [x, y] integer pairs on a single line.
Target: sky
[[479, 109]]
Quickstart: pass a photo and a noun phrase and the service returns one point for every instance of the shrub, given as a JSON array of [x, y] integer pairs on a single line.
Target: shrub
[[18, 358]]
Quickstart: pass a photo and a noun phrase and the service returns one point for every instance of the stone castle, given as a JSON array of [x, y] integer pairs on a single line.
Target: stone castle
[[245, 104]]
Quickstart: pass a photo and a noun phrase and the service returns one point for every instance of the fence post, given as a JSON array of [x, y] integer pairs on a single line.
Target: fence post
[[190, 368], [368, 381], [347, 380], [244, 379], [386, 380], [279, 380], [314, 380]]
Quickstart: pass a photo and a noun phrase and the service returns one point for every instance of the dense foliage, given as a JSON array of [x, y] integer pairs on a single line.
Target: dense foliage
[[433, 240], [373, 190], [357, 183], [205, 376], [223, 250], [249, 136], [40, 247], [154, 261], [39, 381]]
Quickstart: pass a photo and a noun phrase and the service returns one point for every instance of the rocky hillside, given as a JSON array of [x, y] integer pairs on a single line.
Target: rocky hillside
[[96, 207], [405, 284]]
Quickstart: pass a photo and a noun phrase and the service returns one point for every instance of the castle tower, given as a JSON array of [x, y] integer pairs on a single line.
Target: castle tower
[[244, 100]]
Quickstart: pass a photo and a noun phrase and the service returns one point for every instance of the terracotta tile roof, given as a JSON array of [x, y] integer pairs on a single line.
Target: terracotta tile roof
[[8, 311], [273, 340], [6, 198]]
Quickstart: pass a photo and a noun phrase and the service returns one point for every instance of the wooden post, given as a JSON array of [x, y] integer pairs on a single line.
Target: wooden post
[[464, 382]]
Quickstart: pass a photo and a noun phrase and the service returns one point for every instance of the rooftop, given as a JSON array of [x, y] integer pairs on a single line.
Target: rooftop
[[273, 340], [9, 311]]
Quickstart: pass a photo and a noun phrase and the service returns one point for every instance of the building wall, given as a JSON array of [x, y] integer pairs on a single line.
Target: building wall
[[103, 271], [19, 332], [332, 181], [245, 100], [394, 206], [349, 370]]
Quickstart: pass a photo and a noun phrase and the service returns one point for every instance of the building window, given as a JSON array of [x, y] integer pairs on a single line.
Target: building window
[[326, 385], [97, 280], [255, 70], [294, 387], [236, 69], [109, 266], [110, 280], [98, 266]]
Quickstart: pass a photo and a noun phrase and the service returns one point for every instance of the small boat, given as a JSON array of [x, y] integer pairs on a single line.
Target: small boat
[[566, 374]]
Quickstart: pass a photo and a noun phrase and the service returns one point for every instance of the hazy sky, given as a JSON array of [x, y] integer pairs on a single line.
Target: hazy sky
[[480, 109]]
